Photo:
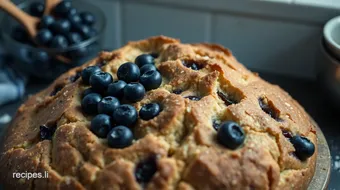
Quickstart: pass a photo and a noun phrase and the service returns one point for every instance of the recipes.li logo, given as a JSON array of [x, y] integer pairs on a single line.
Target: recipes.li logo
[[30, 175]]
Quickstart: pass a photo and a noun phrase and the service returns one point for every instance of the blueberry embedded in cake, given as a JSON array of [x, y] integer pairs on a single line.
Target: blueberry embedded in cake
[[184, 119]]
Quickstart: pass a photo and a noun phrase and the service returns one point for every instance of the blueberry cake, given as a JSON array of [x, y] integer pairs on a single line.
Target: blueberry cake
[[158, 114]]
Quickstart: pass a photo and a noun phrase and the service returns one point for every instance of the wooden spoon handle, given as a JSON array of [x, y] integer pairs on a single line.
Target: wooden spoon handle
[[49, 5], [25, 19]]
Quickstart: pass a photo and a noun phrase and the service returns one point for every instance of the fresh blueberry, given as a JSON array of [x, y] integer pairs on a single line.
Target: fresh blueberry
[[84, 30], [44, 37], [72, 11], [88, 18], [146, 68], [146, 169], [36, 9], [134, 92], [125, 115], [149, 111], [116, 89], [93, 32], [107, 105], [62, 26], [100, 81], [19, 34], [46, 22], [128, 72], [90, 102], [87, 72], [101, 125], [151, 79], [120, 137], [144, 59], [40, 57], [59, 42], [230, 134], [74, 38], [88, 91], [74, 19], [62, 8], [304, 148]]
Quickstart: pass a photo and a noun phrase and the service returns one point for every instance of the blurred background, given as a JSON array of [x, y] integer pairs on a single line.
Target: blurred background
[[284, 40]]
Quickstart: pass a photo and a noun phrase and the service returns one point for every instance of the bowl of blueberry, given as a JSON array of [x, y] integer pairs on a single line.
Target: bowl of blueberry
[[67, 37]]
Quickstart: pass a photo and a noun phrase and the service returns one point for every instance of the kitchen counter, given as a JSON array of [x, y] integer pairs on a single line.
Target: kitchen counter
[[306, 92]]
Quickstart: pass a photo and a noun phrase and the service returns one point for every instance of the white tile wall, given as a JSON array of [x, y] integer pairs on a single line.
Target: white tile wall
[[269, 45], [141, 21]]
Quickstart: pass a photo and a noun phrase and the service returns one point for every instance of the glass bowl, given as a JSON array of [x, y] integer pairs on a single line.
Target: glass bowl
[[25, 54]]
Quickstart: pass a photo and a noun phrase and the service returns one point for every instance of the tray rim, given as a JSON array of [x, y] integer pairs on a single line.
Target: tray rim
[[322, 172]]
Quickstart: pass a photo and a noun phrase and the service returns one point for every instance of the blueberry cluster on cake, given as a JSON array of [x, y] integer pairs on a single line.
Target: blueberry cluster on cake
[[158, 114]]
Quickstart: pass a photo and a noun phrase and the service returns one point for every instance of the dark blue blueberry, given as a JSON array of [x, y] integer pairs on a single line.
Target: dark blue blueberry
[[107, 105], [43, 37], [93, 32], [46, 133], [74, 19], [128, 72], [193, 98], [87, 18], [40, 57], [62, 8], [151, 79], [74, 38], [36, 9], [116, 89], [46, 22], [84, 30], [19, 34], [134, 92], [100, 81], [101, 125], [144, 59], [145, 170], [304, 148], [125, 115], [90, 102], [149, 111], [72, 11], [146, 68], [230, 135], [87, 72], [120, 137], [88, 91], [59, 42], [62, 26]]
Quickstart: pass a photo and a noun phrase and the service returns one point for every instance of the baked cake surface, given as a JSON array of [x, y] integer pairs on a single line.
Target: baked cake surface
[[180, 143]]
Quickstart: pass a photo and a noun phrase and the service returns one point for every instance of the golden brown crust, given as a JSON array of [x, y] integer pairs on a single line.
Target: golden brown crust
[[182, 136]]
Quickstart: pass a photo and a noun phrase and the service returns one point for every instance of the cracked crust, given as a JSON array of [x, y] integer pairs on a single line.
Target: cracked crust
[[181, 136]]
